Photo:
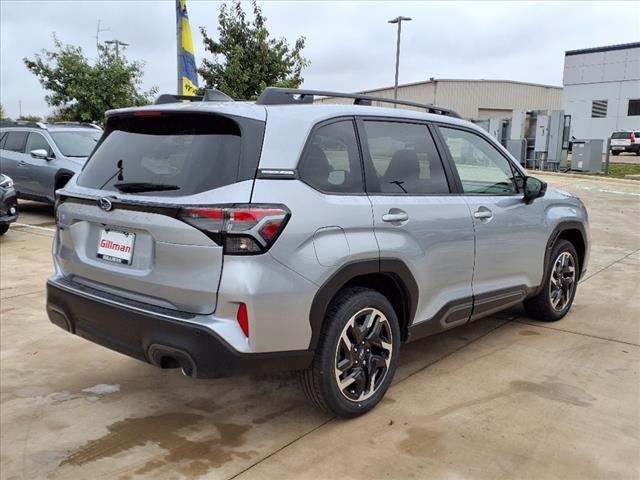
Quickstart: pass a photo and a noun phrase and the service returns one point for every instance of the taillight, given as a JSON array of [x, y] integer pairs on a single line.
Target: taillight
[[243, 319], [242, 229], [633, 138]]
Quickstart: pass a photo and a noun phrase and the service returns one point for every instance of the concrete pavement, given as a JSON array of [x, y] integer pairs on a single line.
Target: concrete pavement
[[504, 397]]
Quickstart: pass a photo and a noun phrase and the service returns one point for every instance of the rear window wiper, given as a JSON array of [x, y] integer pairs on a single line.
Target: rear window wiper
[[133, 187]]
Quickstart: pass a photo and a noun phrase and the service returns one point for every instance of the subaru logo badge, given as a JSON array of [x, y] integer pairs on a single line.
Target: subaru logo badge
[[105, 204]]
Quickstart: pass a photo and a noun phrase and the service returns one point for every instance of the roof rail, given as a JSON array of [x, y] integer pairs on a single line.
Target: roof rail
[[210, 95], [293, 96], [76, 124], [19, 123]]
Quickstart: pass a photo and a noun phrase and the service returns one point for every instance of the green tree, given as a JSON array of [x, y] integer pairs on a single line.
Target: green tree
[[82, 91], [245, 60], [30, 118]]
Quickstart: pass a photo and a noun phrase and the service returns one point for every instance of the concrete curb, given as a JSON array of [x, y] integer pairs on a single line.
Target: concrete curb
[[624, 181]]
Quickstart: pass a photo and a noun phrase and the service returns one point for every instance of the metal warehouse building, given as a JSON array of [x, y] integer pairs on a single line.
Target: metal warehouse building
[[474, 99], [602, 90]]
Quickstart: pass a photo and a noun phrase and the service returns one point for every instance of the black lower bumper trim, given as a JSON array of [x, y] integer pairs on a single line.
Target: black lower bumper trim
[[161, 341]]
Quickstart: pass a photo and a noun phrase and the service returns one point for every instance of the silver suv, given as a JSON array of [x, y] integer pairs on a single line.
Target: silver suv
[[219, 237], [41, 158]]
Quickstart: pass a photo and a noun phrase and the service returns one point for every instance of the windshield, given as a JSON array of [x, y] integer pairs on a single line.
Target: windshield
[[172, 154], [77, 143]]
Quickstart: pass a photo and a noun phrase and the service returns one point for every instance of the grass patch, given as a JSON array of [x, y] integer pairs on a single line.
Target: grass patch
[[619, 170]]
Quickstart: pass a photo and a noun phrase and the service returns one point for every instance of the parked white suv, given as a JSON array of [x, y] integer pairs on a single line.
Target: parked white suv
[[625, 142]]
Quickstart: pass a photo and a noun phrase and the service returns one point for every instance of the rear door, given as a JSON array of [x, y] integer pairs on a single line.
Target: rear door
[[12, 161], [418, 220], [119, 225], [510, 235]]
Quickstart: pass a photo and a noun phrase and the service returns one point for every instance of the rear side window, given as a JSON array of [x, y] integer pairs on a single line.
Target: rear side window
[[404, 158], [173, 154], [331, 161], [15, 141]]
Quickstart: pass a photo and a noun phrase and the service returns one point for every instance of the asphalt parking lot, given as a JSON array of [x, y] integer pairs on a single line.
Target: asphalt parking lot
[[504, 397]]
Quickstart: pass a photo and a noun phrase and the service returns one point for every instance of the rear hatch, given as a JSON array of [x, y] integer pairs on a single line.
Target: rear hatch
[[120, 225], [621, 139]]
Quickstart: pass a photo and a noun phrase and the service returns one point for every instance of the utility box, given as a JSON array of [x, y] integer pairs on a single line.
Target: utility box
[[587, 155], [518, 148], [541, 144]]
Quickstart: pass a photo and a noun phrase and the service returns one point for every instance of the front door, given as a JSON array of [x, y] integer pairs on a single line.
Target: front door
[[418, 220], [510, 238]]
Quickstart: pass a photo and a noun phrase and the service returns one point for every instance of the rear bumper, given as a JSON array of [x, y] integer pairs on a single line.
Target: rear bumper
[[154, 338], [626, 148]]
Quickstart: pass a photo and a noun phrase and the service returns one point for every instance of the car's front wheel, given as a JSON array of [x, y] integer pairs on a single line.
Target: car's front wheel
[[3, 228], [556, 296], [356, 356]]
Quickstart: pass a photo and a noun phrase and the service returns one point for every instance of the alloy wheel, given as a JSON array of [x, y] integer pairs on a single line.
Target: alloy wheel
[[363, 354], [563, 281]]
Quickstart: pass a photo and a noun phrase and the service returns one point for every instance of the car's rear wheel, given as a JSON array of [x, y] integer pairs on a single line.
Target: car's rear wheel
[[356, 356], [3, 228], [559, 289], [615, 153]]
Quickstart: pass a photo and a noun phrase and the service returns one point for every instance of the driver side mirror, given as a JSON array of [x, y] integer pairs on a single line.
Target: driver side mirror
[[534, 188], [40, 153]]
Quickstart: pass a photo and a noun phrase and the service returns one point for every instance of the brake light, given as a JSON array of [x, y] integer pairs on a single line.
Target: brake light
[[243, 319], [633, 138], [241, 229], [147, 113]]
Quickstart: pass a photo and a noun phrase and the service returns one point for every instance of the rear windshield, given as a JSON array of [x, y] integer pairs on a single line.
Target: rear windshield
[[172, 154], [76, 144], [620, 135]]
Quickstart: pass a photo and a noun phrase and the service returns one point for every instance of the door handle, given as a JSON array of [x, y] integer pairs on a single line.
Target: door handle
[[393, 217], [483, 213]]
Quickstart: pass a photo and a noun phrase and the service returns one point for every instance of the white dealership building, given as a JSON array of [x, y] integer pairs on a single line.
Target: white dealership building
[[602, 90]]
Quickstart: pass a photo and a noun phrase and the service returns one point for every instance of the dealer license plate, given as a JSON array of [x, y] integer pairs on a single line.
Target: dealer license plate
[[116, 246]]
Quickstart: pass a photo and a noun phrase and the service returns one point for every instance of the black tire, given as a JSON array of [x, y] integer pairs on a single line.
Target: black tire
[[615, 154], [541, 307], [4, 228], [319, 382]]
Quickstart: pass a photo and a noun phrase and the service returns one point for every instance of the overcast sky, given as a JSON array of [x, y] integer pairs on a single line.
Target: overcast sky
[[350, 45]]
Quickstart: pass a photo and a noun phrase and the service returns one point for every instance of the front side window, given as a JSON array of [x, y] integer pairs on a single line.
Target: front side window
[[36, 141], [76, 144], [404, 158], [482, 169], [331, 162], [15, 141]]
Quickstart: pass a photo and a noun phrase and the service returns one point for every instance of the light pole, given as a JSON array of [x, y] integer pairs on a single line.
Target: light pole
[[118, 44], [399, 21]]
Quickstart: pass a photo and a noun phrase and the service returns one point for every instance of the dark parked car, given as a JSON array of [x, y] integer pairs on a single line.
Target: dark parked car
[[8, 203], [41, 158]]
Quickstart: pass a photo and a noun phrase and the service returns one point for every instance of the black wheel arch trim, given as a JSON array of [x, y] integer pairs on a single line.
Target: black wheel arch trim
[[396, 269], [555, 234]]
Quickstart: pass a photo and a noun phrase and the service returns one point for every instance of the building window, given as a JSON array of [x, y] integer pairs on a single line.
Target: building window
[[599, 109], [634, 107]]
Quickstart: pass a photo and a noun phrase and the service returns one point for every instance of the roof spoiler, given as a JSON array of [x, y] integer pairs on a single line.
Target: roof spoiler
[[210, 95]]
